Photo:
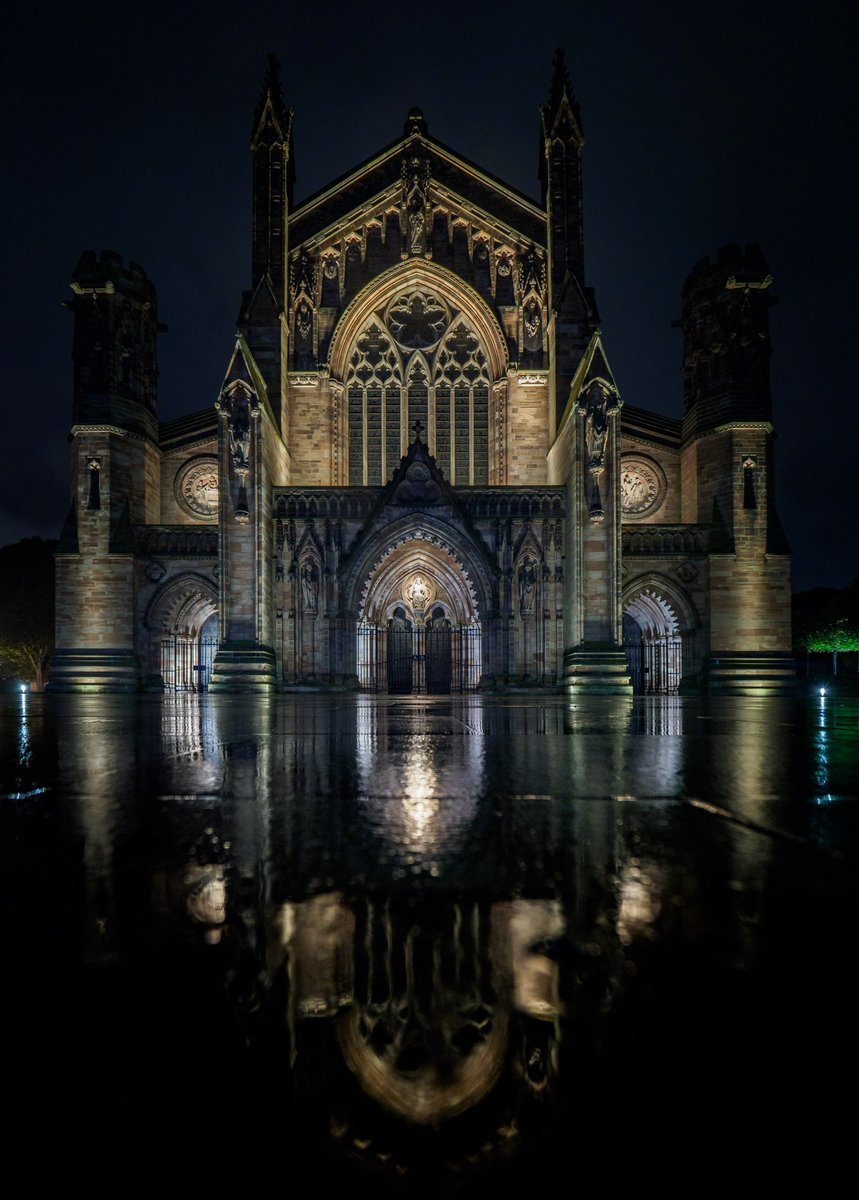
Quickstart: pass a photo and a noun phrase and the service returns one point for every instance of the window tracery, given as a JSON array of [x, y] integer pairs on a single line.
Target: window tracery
[[418, 361]]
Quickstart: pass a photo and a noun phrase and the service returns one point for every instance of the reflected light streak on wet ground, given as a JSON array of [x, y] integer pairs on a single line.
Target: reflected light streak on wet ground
[[431, 946]]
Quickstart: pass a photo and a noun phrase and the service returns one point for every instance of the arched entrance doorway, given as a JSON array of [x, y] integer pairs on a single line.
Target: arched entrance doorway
[[182, 627], [418, 630], [654, 636]]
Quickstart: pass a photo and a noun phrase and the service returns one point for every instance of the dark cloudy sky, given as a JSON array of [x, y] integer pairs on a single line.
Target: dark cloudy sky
[[126, 127]]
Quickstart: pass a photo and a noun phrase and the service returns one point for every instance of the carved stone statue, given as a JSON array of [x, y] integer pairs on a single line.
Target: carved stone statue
[[416, 172], [417, 224], [527, 586], [240, 444], [309, 587], [597, 405]]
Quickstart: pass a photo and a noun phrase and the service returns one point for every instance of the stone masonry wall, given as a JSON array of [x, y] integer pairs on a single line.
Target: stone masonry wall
[[527, 431], [309, 441]]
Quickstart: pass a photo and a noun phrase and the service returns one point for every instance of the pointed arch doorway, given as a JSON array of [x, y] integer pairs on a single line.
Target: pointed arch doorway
[[181, 627], [419, 631], [659, 636]]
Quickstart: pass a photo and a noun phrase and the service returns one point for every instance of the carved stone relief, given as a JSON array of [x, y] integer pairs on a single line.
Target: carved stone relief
[[196, 487], [642, 486]]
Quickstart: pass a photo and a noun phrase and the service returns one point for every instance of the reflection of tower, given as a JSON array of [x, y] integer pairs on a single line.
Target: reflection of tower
[[426, 1035], [436, 1000]]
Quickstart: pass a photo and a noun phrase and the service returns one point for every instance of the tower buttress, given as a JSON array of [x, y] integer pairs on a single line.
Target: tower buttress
[[115, 462], [727, 468], [573, 316], [115, 397], [114, 352], [273, 178], [263, 320], [726, 386], [561, 176], [726, 341]]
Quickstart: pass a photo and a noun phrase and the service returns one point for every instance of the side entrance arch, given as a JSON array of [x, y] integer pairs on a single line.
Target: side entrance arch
[[660, 637], [182, 630]]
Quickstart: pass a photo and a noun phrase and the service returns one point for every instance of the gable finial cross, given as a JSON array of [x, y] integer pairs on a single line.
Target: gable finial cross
[[417, 428]]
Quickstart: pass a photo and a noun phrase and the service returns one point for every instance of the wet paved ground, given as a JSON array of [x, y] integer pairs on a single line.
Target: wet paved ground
[[433, 945]]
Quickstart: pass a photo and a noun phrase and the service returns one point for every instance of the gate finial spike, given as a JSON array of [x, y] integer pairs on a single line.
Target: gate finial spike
[[418, 426]]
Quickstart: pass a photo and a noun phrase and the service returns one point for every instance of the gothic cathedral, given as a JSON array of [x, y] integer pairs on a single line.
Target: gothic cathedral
[[419, 475]]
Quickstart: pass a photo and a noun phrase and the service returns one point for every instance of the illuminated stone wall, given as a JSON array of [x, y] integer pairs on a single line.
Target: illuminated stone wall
[[420, 307], [310, 440]]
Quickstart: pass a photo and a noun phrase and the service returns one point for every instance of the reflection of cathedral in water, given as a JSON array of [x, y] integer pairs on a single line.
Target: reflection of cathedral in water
[[408, 1006], [419, 476], [420, 920]]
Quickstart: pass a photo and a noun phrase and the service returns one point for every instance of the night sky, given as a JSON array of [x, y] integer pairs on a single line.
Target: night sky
[[127, 126]]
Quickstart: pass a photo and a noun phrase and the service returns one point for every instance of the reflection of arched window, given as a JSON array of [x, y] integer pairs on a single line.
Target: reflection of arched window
[[418, 361]]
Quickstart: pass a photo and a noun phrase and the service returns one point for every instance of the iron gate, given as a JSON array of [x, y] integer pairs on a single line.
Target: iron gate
[[438, 656], [399, 656], [186, 662]]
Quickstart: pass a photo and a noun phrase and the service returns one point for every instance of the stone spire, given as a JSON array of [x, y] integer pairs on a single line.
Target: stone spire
[[571, 303], [560, 92], [271, 101], [273, 178]]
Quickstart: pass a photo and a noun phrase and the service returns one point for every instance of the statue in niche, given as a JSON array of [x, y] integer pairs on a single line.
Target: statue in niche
[[419, 594], [597, 406], [532, 273], [303, 274], [309, 587], [416, 172], [304, 320], [527, 586], [417, 224], [240, 443], [532, 320]]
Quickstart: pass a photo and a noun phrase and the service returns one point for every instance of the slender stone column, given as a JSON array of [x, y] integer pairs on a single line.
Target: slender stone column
[[594, 662], [244, 663]]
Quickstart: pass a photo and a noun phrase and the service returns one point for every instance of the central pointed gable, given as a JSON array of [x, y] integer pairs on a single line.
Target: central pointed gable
[[453, 181], [418, 486]]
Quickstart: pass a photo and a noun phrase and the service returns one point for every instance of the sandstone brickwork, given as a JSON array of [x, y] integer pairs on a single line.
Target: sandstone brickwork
[[420, 472]]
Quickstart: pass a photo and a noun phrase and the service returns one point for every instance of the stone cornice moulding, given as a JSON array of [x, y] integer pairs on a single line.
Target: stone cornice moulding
[[76, 430], [642, 440], [530, 378], [699, 435]]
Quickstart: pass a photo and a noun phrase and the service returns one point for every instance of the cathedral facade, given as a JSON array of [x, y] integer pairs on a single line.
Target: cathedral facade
[[419, 475]]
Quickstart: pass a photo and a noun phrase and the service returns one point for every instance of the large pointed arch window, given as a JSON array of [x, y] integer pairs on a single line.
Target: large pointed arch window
[[373, 396], [418, 360], [462, 406]]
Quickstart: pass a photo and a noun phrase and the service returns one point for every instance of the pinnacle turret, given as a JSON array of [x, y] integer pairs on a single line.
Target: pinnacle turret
[[560, 96], [271, 101]]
